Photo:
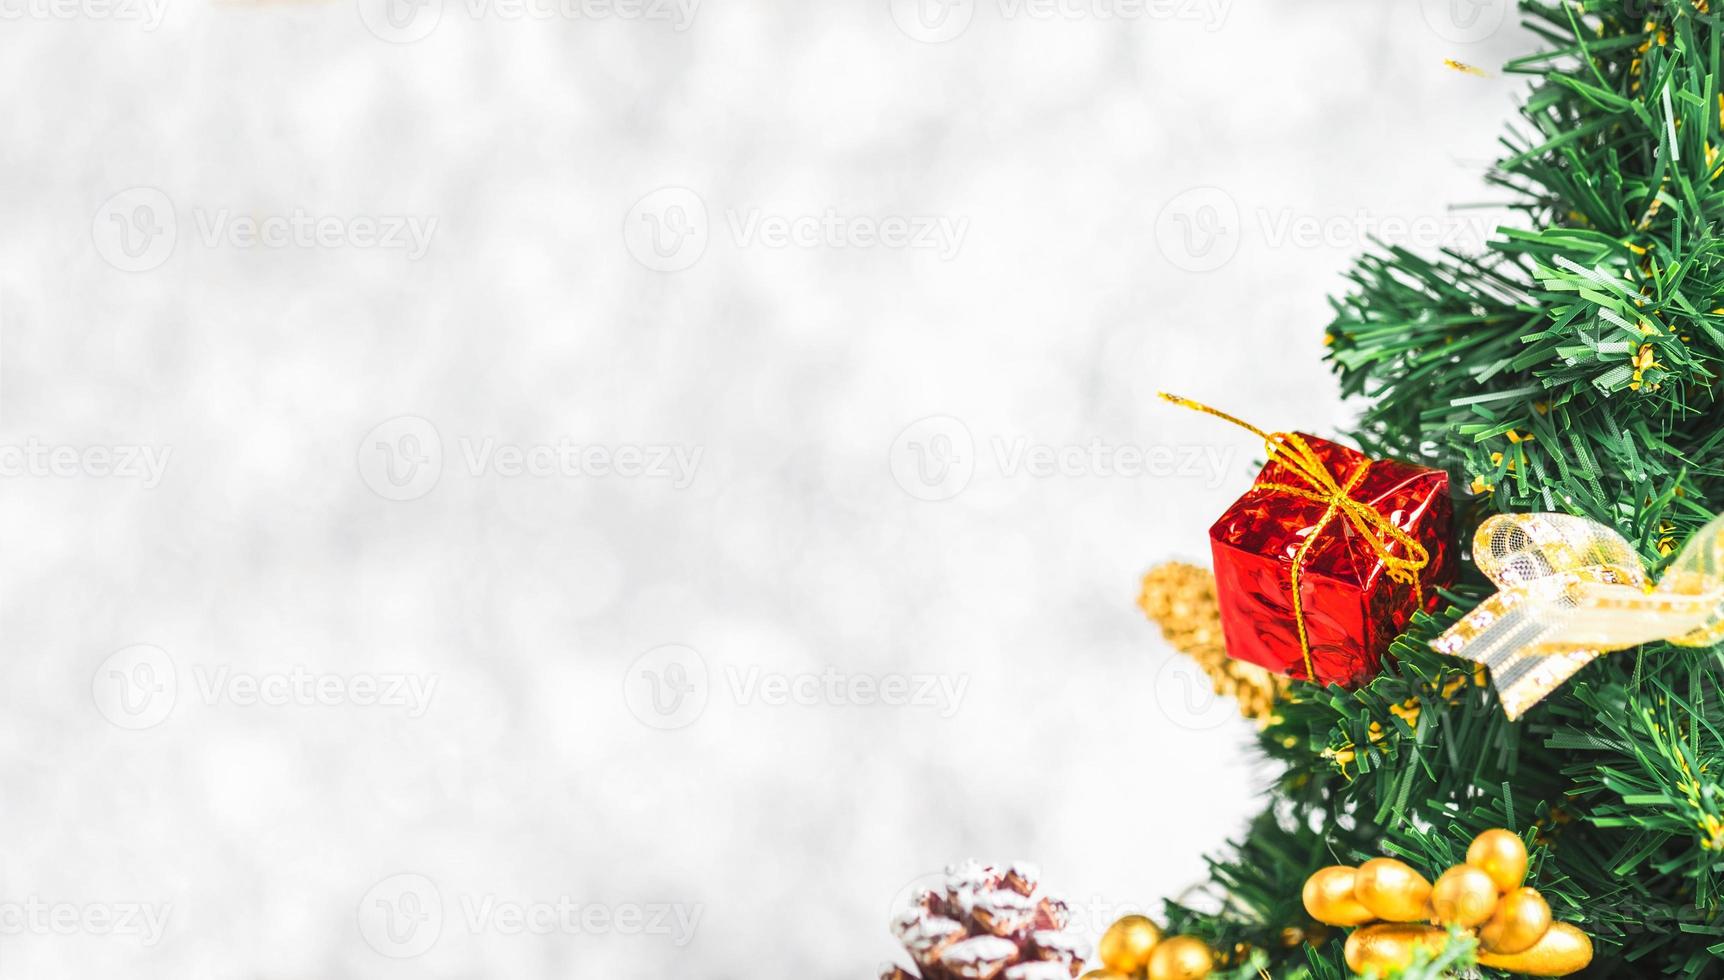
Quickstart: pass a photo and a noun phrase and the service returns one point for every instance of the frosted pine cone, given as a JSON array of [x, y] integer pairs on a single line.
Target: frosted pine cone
[[987, 924]]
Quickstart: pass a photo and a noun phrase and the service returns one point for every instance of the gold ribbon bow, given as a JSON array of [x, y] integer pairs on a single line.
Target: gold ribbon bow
[[1293, 452], [1573, 589]]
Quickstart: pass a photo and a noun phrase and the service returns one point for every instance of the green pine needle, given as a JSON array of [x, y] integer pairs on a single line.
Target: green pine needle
[[1574, 365]]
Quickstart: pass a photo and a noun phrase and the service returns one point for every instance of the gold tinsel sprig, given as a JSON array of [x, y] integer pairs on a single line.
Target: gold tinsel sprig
[[1181, 598]]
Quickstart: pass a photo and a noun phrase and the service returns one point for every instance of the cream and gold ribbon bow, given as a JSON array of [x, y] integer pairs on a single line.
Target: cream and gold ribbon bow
[[1573, 589]]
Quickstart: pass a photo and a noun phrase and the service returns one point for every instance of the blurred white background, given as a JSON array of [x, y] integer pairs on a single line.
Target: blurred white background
[[622, 488]]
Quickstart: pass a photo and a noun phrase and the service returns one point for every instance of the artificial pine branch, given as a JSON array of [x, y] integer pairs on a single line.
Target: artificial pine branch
[[1573, 366]]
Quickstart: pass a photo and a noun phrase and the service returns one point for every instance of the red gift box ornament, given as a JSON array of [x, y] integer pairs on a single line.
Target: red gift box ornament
[[1322, 563]]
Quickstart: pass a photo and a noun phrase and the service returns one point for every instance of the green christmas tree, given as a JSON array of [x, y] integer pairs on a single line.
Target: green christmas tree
[[1574, 366]]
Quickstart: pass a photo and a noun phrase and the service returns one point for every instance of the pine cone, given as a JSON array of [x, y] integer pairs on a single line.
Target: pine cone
[[987, 923]]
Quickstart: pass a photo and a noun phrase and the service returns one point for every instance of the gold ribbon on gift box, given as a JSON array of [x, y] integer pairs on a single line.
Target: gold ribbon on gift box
[[1318, 485], [1572, 590]]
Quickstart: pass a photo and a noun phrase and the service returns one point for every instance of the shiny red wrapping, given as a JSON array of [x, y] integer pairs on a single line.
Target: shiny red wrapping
[[1352, 608]]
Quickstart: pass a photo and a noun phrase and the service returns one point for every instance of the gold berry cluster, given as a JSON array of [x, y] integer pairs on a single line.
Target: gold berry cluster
[[1134, 949], [1399, 913]]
